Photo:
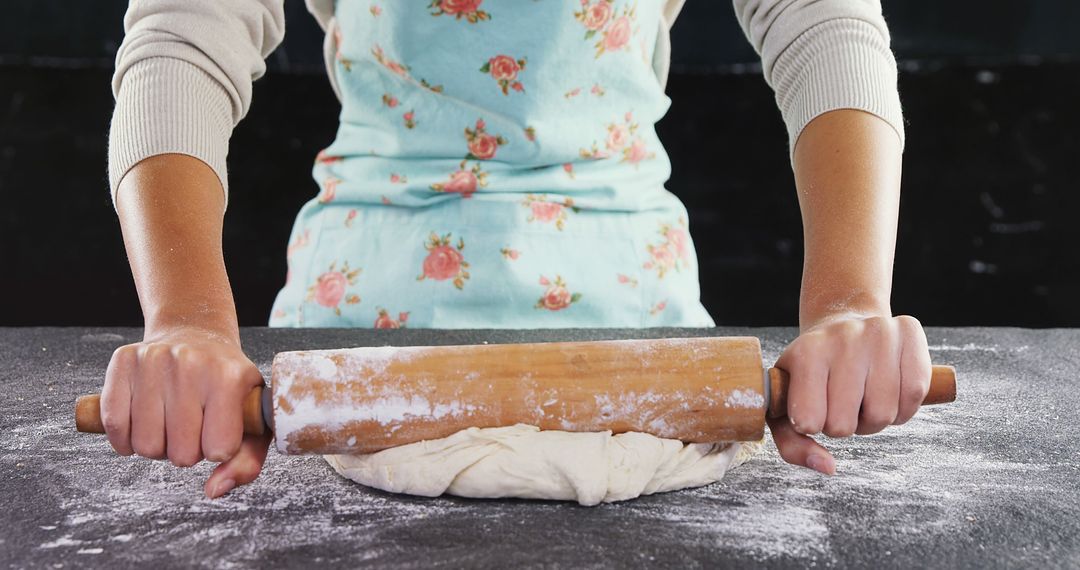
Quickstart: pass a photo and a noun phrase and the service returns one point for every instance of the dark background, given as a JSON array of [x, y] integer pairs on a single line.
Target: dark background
[[992, 165]]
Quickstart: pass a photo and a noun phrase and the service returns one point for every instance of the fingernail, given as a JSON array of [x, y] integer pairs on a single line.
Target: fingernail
[[818, 463], [224, 487]]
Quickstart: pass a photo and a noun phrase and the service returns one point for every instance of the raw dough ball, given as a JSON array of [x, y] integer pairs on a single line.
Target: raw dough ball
[[524, 462]]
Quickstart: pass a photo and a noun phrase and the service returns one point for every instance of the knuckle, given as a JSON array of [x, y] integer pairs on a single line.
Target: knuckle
[[803, 422], [839, 428], [120, 449], [112, 423], [143, 349], [914, 392], [183, 459], [876, 323], [181, 351], [909, 321], [238, 368], [853, 326], [149, 450], [153, 354], [877, 418], [125, 353], [221, 448], [217, 456]]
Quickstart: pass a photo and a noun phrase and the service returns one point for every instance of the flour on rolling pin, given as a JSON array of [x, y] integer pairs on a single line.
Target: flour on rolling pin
[[334, 388], [365, 399]]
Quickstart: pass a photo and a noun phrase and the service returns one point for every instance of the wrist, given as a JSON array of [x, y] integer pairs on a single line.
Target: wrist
[[853, 305], [219, 324]]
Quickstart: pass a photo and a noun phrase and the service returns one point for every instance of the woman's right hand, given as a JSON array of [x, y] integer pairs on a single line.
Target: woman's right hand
[[179, 395]]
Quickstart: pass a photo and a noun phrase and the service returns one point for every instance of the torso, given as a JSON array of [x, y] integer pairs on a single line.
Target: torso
[[494, 166]]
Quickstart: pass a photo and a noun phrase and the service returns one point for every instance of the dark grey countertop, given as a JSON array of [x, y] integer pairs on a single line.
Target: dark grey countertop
[[992, 480]]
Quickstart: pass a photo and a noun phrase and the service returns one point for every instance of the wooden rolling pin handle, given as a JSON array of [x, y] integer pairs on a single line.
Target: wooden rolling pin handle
[[942, 389], [88, 413]]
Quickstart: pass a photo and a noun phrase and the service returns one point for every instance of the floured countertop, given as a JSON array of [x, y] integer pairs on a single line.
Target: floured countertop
[[992, 480]]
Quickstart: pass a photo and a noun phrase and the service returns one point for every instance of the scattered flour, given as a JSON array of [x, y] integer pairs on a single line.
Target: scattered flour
[[936, 480]]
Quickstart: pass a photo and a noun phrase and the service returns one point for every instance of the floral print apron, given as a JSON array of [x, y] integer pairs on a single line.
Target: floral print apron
[[496, 166]]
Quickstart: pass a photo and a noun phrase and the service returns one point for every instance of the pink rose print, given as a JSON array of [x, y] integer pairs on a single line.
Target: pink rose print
[[621, 139], [329, 190], [301, 242], [346, 63], [672, 253], [678, 240], [568, 167], [384, 321], [463, 181], [627, 280], [444, 261], [594, 16], [386, 201], [504, 70], [636, 152], [410, 119], [556, 297], [280, 314], [546, 212], [482, 146], [324, 158], [350, 217], [389, 100], [398, 179], [394, 67], [468, 9], [618, 135], [329, 289], [657, 308], [375, 10], [663, 259], [617, 36], [530, 134], [510, 254], [598, 17], [596, 90]]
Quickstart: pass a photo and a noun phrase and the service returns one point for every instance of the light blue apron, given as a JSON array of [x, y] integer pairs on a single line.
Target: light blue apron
[[496, 166]]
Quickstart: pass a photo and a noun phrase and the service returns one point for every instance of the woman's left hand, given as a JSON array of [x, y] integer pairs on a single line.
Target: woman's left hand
[[850, 374]]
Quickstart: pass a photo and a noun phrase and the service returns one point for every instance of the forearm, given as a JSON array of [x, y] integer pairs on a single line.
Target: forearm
[[847, 172], [171, 210]]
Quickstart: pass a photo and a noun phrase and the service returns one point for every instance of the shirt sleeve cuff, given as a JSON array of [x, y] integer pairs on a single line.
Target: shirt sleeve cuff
[[839, 64], [169, 106]]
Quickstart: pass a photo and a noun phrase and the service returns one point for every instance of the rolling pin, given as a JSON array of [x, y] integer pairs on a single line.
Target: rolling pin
[[363, 400]]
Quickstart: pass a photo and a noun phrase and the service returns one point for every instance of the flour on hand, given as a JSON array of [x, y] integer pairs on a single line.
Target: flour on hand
[[525, 462]]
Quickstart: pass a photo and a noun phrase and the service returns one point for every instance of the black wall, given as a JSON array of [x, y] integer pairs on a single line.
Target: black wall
[[987, 233]]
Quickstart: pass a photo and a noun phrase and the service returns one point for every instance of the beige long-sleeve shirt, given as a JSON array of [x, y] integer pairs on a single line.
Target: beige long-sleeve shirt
[[185, 69]]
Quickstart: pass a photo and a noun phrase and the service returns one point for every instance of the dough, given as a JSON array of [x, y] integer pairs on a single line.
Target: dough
[[525, 462]]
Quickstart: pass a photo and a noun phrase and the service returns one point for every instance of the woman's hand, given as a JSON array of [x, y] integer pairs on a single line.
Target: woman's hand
[[850, 374], [179, 395]]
